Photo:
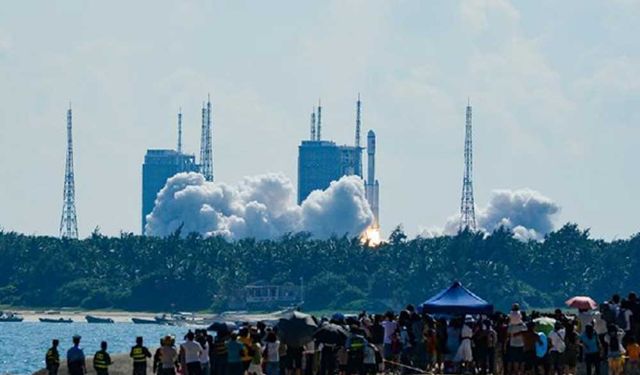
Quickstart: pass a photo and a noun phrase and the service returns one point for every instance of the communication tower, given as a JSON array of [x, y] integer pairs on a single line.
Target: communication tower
[[69, 221], [467, 206]]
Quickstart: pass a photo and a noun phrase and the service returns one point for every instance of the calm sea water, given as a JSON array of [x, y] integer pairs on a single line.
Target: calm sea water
[[23, 345]]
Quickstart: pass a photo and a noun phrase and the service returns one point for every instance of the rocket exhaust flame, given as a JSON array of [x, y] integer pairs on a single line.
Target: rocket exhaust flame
[[371, 237]]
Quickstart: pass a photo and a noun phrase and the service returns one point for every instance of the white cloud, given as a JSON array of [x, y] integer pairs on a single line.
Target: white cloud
[[6, 44], [478, 14], [613, 76]]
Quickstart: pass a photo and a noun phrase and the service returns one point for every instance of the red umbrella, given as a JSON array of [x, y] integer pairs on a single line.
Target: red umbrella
[[582, 302]]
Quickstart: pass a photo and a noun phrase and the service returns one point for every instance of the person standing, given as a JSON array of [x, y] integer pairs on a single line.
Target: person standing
[[102, 360], [219, 358], [76, 359], [591, 349], [542, 354], [52, 358], [616, 350], [245, 339], [190, 355], [515, 350], [204, 354], [235, 352], [464, 353], [271, 354], [255, 368], [139, 353], [481, 347], [355, 346], [390, 327], [168, 357], [558, 347]]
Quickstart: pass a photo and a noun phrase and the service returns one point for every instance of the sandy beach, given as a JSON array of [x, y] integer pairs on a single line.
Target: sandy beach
[[125, 316], [79, 315]]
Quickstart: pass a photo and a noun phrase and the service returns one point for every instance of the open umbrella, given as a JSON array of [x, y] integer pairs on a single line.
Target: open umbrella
[[296, 330], [222, 328], [330, 333], [582, 302], [544, 324]]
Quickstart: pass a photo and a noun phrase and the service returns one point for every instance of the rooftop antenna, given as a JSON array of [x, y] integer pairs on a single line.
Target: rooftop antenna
[[467, 206], [69, 221], [319, 128], [358, 105], [313, 126], [180, 131]]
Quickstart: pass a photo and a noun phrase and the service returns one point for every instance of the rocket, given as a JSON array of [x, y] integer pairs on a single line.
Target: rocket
[[372, 186]]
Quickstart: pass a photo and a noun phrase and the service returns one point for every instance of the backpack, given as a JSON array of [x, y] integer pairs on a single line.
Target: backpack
[[608, 313]]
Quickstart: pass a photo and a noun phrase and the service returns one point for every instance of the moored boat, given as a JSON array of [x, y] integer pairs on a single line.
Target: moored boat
[[59, 320], [9, 317], [145, 321], [97, 319]]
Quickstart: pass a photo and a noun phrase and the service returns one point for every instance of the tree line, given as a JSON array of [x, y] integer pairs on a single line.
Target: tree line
[[188, 272]]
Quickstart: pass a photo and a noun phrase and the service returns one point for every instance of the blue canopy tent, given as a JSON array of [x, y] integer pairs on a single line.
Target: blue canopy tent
[[456, 300]]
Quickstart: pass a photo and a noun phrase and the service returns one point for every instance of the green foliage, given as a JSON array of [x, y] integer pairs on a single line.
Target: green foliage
[[192, 273]]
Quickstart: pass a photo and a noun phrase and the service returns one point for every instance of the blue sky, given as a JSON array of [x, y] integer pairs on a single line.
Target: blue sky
[[555, 88]]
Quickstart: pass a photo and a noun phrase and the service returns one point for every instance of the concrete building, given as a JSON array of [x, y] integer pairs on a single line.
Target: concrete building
[[160, 165], [320, 162]]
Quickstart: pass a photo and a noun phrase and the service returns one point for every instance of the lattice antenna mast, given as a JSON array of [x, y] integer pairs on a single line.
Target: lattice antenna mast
[[69, 221], [179, 149], [358, 105], [467, 206], [358, 127], [202, 136], [319, 123], [313, 126], [206, 149]]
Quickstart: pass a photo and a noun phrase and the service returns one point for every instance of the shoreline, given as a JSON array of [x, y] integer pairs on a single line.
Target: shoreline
[[78, 315]]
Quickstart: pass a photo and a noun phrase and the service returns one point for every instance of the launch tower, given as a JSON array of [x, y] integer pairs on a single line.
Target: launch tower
[[206, 148]]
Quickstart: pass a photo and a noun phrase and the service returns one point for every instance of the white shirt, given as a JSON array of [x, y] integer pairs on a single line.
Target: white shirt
[[273, 351], [191, 351], [515, 318], [585, 319], [627, 318], [204, 354], [557, 341], [405, 339], [310, 347], [390, 327], [600, 325]]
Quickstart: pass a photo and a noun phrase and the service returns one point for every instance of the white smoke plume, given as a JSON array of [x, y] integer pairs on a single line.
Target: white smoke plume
[[261, 207], [528, 214]]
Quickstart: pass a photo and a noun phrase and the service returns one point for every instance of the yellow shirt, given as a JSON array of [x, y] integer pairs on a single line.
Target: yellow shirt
[[248, 342], [633, 351]]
